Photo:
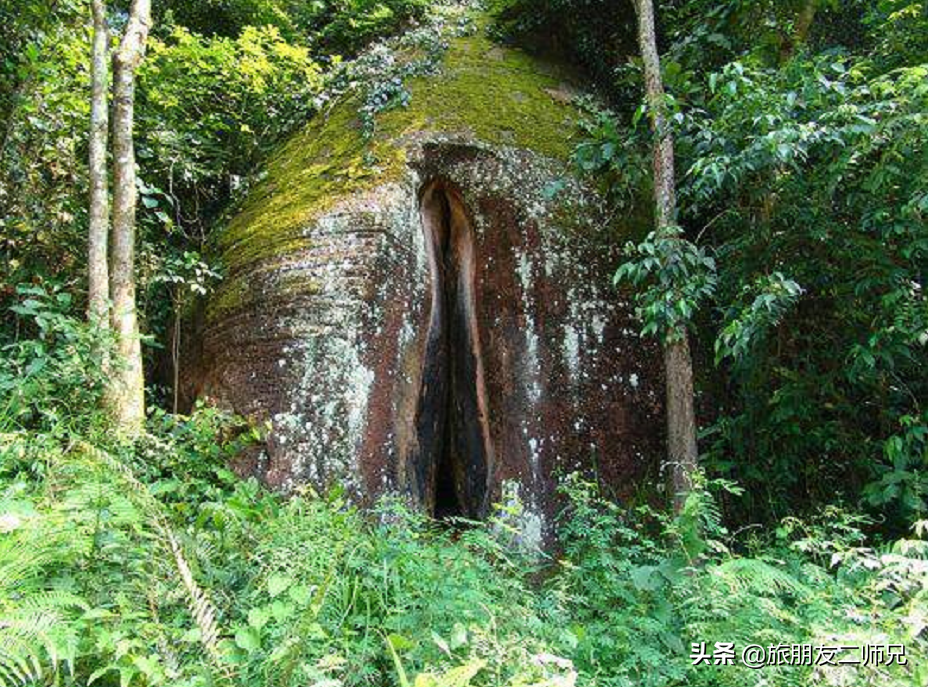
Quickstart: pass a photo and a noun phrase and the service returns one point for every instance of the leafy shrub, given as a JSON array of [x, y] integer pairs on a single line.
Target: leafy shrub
[[345, 26], [202, 128], [150, 582], [42, 180], [634, 604], [101, 569], [49, 374], [818, 154], [330, 26], [333, 589], [801, 175]]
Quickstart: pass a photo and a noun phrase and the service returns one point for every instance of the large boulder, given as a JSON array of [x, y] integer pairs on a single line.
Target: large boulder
[[429, 311]]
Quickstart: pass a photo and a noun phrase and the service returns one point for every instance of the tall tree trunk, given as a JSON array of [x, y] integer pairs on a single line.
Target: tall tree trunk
[[97, 265], [127, 388], [801, 27], [175, 347], [681, 417], [804, 22]]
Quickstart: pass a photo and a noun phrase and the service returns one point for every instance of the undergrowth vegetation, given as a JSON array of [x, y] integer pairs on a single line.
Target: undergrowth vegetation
[[799, 262], [151, 563]]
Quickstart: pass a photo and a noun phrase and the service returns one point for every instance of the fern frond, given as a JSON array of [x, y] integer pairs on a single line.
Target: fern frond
[[27, 642], [18, 665], [19, 565], [757, 576], [34, 620], [199, 603], [45, 600]]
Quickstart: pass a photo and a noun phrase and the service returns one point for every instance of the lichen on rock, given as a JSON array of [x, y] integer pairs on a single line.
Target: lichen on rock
[[322, 325], [480, 91]]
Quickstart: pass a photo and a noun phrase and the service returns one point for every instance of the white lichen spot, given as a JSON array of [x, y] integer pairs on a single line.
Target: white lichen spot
[[524, 270], [523, 524], [534, 458], [360, 381], [532, 367], [599, 327], [532, 372], [572, 350]]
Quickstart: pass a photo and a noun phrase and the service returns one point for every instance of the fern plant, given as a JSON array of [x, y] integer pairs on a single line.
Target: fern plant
[[204, 613], [78, 578], [38, 632]]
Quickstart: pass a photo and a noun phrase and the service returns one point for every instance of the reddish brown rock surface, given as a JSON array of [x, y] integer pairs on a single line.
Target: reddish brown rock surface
[[446, 329]]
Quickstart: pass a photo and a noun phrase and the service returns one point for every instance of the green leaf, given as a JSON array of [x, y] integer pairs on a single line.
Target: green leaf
[[399, 642], [397, 664], [301, 593], [458, 636], [441, 643], [646, 578], [258, 617], [248, 638], [277, 584], [281, 611]]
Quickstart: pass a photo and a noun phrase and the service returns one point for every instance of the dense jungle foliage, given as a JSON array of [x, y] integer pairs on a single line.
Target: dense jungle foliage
[[799, 267]]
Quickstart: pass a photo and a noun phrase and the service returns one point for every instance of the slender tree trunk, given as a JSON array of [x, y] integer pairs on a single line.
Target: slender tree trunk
[[681, 417], [127, 388], [175, 348], [804, 22], [97, 265], [801, 28]]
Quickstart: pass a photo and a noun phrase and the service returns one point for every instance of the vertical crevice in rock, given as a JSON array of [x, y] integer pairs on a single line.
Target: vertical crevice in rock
[[454, 455]]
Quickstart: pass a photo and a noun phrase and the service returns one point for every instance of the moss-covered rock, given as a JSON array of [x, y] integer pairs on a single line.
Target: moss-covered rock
[[326, 325], [489, 93]]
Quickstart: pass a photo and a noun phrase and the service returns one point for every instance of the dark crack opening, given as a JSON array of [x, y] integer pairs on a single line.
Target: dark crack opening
[[453, 441]]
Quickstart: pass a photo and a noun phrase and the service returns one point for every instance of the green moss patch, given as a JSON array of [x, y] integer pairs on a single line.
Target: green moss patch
[[328, 160], [498, 95], [493, 94]]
